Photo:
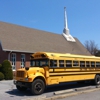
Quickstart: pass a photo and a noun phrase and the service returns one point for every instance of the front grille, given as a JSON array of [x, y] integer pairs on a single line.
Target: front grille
[[20, 73]]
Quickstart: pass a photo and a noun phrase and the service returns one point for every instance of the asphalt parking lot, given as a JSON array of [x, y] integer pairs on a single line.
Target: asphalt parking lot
[[8, 90]]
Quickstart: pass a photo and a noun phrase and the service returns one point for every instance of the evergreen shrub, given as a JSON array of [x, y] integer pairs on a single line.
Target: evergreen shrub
[[1, 76], [6, 69]]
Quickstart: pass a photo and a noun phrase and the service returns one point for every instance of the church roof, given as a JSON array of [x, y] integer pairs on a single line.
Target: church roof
[[23, 39]]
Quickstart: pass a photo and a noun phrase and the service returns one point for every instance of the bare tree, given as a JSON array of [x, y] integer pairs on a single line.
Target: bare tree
[[91, 46]]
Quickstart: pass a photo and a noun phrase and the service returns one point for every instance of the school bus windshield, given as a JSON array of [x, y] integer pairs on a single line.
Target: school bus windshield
[[39, 62]]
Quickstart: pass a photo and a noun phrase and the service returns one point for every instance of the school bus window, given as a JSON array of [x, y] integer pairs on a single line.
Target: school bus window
[[39, 62], [97, 64], [75, 63], [92, 64], [53, 63], [44, 63], [61, 63], [87, 64], [32, 63], [82, 63], [68, 63]]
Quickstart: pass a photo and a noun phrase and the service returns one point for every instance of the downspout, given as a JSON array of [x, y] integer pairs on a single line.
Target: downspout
[[9, 55]]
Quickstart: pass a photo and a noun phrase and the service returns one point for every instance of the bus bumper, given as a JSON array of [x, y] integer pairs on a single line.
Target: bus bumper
[[20, 83]]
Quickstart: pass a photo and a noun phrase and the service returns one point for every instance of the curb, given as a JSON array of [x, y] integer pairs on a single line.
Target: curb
[[98, 86], [64, 91], [83, 88], [71, 94]]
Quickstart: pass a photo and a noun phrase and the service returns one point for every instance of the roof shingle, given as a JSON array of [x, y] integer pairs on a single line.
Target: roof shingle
[[19, 38]]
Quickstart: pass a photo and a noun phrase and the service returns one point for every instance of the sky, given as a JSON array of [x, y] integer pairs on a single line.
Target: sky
[[48, 15]]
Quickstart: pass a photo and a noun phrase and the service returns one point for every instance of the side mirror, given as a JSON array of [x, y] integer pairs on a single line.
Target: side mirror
[[27, 68]]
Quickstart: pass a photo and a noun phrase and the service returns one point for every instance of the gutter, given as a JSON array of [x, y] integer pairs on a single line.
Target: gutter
[[17, 51]]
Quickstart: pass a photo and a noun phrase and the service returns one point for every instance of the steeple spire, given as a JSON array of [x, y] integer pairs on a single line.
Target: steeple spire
[[65, 18], [66, 33]]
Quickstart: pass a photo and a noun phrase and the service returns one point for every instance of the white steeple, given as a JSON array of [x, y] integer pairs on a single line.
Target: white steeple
[[66, 33]]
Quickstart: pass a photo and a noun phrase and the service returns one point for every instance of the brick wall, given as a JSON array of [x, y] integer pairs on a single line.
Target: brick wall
[[4, 55], [18, 59]]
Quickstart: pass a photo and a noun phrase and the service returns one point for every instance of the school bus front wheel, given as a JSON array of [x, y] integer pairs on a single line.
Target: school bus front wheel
[[38, 87]]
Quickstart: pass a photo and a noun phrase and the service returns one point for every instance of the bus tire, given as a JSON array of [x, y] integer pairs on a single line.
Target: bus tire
[[97, 80], [21, 88], [38, 86]]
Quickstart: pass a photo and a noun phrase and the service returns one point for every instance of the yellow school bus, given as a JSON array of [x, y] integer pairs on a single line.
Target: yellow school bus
[[54, 68]]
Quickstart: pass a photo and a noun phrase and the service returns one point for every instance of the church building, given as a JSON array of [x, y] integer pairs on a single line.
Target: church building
[[17, 43]]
